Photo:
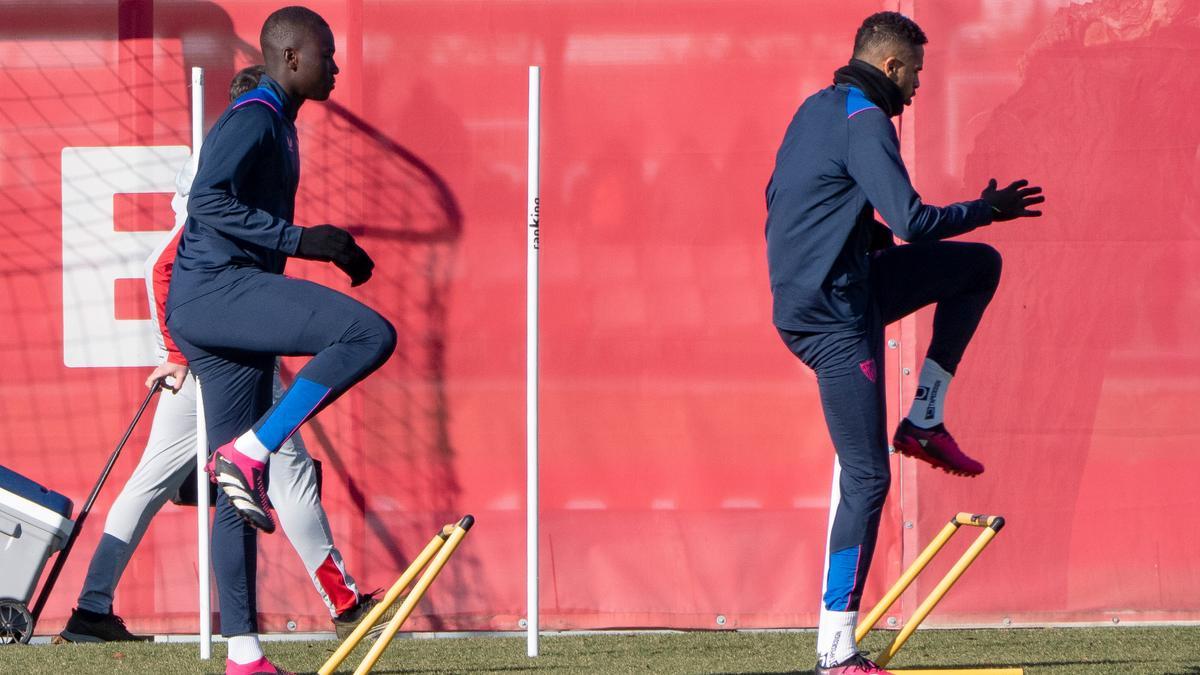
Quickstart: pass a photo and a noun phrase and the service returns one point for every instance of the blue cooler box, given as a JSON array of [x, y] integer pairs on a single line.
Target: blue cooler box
[[34, 522]]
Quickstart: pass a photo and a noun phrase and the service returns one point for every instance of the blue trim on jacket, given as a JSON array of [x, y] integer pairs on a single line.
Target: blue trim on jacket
[[243, 197], [839, 164], [856, 102]]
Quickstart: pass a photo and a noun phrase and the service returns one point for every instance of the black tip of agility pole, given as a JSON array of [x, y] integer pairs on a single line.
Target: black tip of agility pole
[[997, 523], [466, 522]]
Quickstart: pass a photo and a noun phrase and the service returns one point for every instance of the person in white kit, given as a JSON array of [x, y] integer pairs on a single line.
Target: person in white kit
[[170, 455]]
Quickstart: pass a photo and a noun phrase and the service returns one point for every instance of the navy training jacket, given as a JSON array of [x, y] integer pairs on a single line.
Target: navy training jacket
[[839, 162], [243, 198]]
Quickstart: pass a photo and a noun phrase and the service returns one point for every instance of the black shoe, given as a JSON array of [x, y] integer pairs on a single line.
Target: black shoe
[[345, 623], [85, 626], [855, 665]]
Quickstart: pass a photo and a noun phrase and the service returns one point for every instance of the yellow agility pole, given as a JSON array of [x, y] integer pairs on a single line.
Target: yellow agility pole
[[885, 603], [397, 589], [991, 526], [410, 603]]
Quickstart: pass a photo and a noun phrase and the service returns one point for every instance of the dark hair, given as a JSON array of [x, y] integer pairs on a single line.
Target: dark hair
[[285, 25], [245, 80], [885, 28]]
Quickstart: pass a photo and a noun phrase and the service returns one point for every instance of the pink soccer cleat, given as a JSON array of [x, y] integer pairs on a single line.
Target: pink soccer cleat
[[259, 667], [855, 665], [935, 446], [242, 479]]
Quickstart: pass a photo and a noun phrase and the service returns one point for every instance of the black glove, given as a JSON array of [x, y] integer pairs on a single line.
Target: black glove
[[1013, 201], [328, 243]]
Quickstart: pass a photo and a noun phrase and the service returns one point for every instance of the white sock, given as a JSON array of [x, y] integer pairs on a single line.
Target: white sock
[[249, 445], [244, 649], [927, 405], [835, 637]]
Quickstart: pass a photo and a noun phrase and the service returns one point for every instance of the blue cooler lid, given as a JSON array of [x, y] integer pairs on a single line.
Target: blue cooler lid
[[23, 487]]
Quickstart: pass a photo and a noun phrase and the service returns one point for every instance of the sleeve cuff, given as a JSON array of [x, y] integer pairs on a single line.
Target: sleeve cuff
[[177, 358], [291, 238], [986, 213]]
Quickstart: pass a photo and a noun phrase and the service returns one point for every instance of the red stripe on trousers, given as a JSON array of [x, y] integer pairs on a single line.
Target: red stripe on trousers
[[334, 583]]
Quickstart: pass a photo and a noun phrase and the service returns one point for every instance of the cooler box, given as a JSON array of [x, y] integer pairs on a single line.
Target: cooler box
[[34, 522]]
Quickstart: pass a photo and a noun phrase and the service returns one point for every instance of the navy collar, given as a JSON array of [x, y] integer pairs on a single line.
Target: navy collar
[[290, 108]]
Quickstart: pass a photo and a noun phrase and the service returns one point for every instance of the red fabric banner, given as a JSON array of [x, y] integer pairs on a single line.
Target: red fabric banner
[[686, 466]]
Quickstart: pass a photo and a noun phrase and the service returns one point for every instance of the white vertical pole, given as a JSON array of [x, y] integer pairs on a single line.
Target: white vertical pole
[[531, 362], [202, 552]]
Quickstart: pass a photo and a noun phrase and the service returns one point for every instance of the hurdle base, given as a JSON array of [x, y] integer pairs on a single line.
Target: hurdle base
[[960, 671]]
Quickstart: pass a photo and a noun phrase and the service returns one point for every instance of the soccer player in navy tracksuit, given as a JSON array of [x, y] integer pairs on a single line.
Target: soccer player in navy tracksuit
[[170, 454], [837, 279], [231, 311]]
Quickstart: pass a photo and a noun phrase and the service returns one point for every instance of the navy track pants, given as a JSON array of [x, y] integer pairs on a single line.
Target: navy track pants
[[961, 278], [231, 337]]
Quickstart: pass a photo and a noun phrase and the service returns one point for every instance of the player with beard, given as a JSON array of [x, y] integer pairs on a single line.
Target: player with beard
[[837, 279]]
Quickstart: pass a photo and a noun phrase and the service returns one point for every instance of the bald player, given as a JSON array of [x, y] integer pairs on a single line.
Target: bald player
[[169, 456], [232, 312]]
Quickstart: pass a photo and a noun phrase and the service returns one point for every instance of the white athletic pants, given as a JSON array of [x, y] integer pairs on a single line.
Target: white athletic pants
[[168, 459]]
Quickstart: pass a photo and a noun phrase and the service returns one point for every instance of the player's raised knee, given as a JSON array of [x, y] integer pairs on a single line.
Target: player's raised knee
[[382, 336], [988, 262], [992, 258]]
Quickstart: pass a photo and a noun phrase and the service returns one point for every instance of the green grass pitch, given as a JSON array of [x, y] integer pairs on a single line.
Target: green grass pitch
[[1129, 650]]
